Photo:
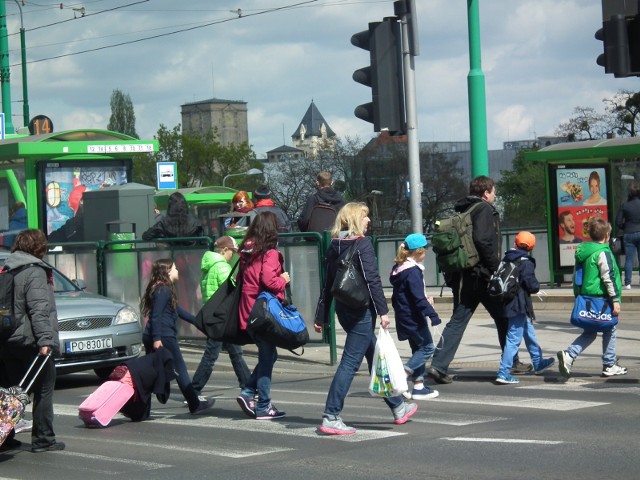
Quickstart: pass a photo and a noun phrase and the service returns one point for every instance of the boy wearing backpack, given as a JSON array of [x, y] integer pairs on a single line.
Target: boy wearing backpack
[[600, 278], [519, 309], [322, 207]]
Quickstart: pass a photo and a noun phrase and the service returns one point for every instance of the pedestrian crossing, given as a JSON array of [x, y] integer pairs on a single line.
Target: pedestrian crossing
[[226, 435]]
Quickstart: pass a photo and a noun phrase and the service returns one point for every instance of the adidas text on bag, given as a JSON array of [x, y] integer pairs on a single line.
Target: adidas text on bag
[[453, 242], [505, 282], [323, 216]]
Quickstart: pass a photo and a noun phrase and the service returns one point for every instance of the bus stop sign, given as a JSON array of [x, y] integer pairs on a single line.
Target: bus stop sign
[[167, 173]]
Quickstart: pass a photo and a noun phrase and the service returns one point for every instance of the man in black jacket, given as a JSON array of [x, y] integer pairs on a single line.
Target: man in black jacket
[[325, 196], [470, 286]]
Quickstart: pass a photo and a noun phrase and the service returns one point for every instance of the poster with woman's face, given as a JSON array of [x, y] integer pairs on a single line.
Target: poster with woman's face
[[581, 193]]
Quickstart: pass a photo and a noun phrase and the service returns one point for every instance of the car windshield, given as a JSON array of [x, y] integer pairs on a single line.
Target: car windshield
[[61, 283]]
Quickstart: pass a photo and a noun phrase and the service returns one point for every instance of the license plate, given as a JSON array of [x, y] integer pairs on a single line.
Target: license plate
[[91, 345]]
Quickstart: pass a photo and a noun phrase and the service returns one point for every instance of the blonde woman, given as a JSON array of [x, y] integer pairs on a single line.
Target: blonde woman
[[359, 324]]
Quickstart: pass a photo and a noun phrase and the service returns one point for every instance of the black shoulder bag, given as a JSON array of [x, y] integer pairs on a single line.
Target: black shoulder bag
[[349, 286]]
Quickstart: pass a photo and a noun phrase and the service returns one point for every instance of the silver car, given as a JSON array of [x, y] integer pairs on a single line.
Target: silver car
[[95, 332]]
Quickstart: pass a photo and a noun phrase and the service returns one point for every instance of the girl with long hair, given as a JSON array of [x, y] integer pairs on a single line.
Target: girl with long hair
[[260, 270], [160, 306]]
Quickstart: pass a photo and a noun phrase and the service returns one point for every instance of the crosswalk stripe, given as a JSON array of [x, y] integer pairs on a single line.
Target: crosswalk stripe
[[556, 404], [503, 440], [278, 427], [585, 385], [94, 457]]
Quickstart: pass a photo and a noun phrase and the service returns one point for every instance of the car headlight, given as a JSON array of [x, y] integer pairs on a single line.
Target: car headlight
[[126, 315]]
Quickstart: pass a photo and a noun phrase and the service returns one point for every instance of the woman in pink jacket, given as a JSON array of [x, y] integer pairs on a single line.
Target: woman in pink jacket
[[260, 270]]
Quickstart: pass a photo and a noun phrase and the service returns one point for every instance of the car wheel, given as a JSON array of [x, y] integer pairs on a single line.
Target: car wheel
[[103, 373]]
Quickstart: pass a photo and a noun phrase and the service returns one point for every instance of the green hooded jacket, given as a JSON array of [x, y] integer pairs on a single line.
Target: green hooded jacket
[[600, 276], [214, 272]]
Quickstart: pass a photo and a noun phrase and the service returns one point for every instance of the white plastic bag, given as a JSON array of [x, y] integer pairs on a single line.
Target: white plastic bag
[[388, 378]]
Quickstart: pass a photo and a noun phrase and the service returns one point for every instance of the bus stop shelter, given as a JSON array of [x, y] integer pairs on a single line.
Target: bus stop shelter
[[583, 179]]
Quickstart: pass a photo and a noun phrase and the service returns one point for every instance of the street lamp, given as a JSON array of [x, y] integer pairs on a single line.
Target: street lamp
[[23, 53], [252, 171]]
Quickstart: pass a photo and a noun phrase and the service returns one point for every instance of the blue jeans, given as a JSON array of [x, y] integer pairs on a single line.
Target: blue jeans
[[184, 382], [469, 291], [260, 380], [519, 327], [631, 248], [360, 343], [608, 345], [422, 347], [208, 361]]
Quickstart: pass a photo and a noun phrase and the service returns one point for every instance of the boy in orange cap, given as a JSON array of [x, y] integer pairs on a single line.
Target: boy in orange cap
[[519, 310]]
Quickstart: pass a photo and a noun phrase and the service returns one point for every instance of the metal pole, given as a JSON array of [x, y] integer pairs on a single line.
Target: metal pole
[[477, 100], [23, 54], [415, 195], [5, 72]]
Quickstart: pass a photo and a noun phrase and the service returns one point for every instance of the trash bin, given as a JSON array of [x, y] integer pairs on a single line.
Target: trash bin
[[124, 264]]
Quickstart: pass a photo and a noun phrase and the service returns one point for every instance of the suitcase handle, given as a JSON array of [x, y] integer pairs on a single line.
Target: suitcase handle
[[24, 379]]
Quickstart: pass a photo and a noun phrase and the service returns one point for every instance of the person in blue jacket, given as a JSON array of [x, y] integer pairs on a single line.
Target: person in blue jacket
[[519, 311], [160, 306], [411, 309]]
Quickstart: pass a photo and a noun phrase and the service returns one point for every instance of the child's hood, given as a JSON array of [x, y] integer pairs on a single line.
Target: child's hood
[[586, 249], [400, 271], [515, 253], [209, 259]]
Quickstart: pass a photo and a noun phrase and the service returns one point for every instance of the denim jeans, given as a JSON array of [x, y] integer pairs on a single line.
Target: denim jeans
[[631, 248], [422, 347], [183, 380], [208, 361], [469, 291], [260, 380], [519, 327], [608, 345], [360, 343]]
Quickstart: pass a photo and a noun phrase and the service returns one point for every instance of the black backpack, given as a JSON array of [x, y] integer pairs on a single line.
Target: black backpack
[[8, 321], [505, 282], [323, 216]]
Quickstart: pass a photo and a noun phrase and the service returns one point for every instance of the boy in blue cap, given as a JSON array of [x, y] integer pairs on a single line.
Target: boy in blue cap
[[411, 308]]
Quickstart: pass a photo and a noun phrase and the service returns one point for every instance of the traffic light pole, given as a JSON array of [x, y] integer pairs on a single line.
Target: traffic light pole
[[477, 100], [415, 194]]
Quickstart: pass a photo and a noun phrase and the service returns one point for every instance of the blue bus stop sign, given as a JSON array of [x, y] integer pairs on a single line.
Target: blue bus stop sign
[[167, 173]]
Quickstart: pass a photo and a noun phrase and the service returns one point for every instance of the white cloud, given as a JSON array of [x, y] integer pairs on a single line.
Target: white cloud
[[538, 58]]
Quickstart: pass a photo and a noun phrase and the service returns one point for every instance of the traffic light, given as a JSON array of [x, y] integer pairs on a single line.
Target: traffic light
[[384, 75], [614, 35]]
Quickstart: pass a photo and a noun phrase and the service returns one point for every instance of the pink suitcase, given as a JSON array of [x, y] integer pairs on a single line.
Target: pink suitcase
[[101, 406]]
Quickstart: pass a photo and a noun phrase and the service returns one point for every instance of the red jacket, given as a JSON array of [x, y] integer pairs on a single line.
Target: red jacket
[[263, 273]]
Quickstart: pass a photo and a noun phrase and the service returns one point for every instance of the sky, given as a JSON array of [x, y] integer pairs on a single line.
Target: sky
[[538, 58]]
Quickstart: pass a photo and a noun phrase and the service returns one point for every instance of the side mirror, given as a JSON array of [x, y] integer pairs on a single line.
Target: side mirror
[[81, 284]]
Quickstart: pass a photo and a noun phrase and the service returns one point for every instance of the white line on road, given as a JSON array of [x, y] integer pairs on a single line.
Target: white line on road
[[278, 427], [519, 402], [138, 463], [502, 440]]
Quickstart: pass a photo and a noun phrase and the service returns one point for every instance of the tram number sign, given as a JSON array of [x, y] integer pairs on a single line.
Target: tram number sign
[[40, 124]]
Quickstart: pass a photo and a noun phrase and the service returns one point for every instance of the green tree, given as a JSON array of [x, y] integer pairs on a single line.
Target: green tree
[[200, 158], [624, 111], [123, 118], [521, 193]]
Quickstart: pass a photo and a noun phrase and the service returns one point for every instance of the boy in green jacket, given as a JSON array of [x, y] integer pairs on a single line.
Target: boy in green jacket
[[215, 269], [600, 278]]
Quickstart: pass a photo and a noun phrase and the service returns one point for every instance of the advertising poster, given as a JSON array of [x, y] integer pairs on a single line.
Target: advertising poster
[[581, 193], [64, 188]]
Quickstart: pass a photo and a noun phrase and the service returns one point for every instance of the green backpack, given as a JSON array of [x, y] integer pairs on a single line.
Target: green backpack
[[453, 242]]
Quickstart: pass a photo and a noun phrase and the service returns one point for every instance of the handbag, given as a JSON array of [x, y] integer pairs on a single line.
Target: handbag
[[219, 318], [593, 314], [349, 286], [617, 245], [388, 377], [281, 325]]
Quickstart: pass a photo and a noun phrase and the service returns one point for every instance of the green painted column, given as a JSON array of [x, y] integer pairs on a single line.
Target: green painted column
[[477, 99], [5, 73]]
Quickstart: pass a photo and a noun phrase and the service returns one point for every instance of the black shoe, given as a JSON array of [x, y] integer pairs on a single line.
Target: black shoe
[[440, 377], [52, 447], [11, 444], [520, 368]]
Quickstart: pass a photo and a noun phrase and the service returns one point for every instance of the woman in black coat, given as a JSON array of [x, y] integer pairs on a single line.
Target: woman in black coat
[[628, 219]]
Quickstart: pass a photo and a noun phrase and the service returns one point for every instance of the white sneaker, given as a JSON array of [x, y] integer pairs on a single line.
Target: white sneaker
[[612, 370], [22, 426], [565, 362], [627, 287]]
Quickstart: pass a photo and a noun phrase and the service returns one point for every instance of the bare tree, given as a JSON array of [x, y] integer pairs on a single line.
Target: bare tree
[[586, 124], [624, 109]]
